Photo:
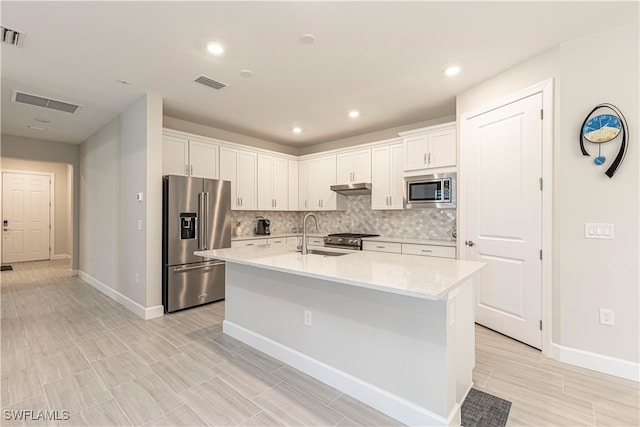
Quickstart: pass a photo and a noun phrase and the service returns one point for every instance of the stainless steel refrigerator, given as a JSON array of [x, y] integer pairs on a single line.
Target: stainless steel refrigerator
[[196, 216]]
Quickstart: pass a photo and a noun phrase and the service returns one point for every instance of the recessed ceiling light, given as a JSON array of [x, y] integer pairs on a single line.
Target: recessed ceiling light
[[308, 38], [36, 128], [215, 48], [452, 70], [246, 73], [353, 114], [38, 119], [297, 130], [124, 82]]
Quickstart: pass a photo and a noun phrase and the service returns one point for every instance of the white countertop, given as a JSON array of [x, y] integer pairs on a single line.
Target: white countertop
[[415, 276]]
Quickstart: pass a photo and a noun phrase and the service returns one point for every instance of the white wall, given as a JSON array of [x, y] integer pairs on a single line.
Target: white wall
[[587, 274], [62, 197], [46, 151], [598, 273], [100, 205], [116, 163]]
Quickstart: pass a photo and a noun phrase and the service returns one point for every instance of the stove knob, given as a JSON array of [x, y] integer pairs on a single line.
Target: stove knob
[[325, 239], [340, 239], [353, 241]]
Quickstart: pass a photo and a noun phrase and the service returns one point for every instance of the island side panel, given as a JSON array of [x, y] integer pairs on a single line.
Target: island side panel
[[393, 342]]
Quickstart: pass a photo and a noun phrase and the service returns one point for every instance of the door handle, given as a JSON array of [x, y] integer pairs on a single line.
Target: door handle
[[197, 267], [7, 229], [469, 243]]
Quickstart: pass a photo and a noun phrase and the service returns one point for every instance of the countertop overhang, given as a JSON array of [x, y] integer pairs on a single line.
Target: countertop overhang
[[415, 276]]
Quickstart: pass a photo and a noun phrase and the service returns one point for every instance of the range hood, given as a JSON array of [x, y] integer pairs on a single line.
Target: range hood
[[352, 189]]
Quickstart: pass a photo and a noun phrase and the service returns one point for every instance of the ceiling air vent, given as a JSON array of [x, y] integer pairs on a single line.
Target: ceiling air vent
[[40, 101], [208, 81], [12, 37]]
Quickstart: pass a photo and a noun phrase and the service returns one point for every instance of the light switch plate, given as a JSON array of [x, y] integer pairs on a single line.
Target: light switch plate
[[594, 230]]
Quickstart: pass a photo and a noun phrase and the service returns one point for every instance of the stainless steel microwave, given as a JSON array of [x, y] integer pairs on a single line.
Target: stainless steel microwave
[[430, 191]]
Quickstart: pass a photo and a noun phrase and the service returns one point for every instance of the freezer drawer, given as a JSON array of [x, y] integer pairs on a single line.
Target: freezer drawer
[[193, 284]]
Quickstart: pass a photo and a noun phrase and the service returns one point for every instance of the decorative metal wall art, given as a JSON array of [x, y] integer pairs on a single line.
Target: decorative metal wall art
[[600, 128]]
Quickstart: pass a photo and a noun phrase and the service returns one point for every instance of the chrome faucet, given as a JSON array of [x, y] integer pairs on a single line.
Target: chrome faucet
[[304, 231]]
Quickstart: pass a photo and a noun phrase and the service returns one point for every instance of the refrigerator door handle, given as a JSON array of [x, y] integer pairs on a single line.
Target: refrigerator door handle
[[198, 266], [202, 221], [205, 225]]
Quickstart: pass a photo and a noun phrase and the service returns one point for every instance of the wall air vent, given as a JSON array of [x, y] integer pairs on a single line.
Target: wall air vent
[[41, 101], [12, 37], [208, 81]]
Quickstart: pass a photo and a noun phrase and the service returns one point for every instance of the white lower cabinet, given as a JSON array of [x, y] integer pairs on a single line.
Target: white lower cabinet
[[410, 249], [248, 242], [297, 240], [395, 248], [429, 250], [276, 240]]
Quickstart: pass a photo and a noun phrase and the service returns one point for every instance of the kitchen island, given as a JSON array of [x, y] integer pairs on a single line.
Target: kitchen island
[[393, 331]]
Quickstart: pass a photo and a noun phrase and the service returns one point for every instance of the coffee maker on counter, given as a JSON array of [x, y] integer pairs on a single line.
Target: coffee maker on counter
[[262, 226]]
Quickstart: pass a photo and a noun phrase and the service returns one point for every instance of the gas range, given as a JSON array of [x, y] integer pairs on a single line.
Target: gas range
[[346, 240]]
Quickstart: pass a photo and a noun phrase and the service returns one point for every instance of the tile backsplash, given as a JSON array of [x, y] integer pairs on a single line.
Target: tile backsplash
[[435, 224]]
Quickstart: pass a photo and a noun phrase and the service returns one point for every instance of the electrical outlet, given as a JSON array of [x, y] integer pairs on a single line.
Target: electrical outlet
[[606, 317], [307, 317]]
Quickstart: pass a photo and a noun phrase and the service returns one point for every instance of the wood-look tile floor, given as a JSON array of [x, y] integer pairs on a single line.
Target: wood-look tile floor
[[65, 346]]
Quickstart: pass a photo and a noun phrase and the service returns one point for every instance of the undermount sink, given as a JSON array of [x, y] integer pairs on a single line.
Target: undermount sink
[[324, 253]]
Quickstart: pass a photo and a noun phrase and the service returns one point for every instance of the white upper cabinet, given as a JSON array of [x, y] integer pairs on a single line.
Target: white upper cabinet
[[353, 166], [430, 148], [316, 176], [303, 185], [293, 184], [273, 183], [189, 157], [387, 178], [240, 167]]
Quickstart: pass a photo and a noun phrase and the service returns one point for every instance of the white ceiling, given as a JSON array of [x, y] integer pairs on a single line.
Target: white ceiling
[[382, 58]]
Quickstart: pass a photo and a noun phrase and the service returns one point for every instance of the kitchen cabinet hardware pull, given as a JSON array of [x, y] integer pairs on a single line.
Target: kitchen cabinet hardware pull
[[390, 200], [429, 158], [427, 250], [191, 169], [425, 158], [186, 169], [469, 243], [249, 244], [380, 247]]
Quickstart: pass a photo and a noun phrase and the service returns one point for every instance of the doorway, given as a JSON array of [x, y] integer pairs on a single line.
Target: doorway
[[26, 216]]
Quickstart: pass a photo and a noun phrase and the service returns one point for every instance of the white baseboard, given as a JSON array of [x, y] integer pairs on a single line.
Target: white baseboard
[[61, 256], [73, 273], [597, 362], [145, 313], [385, 402]]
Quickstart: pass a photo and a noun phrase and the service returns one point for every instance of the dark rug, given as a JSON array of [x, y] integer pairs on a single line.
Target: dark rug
[[6, 268], [481, 409]]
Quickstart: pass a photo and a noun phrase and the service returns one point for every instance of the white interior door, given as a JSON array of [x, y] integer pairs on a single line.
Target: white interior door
[[503, 167], [26, 217]]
